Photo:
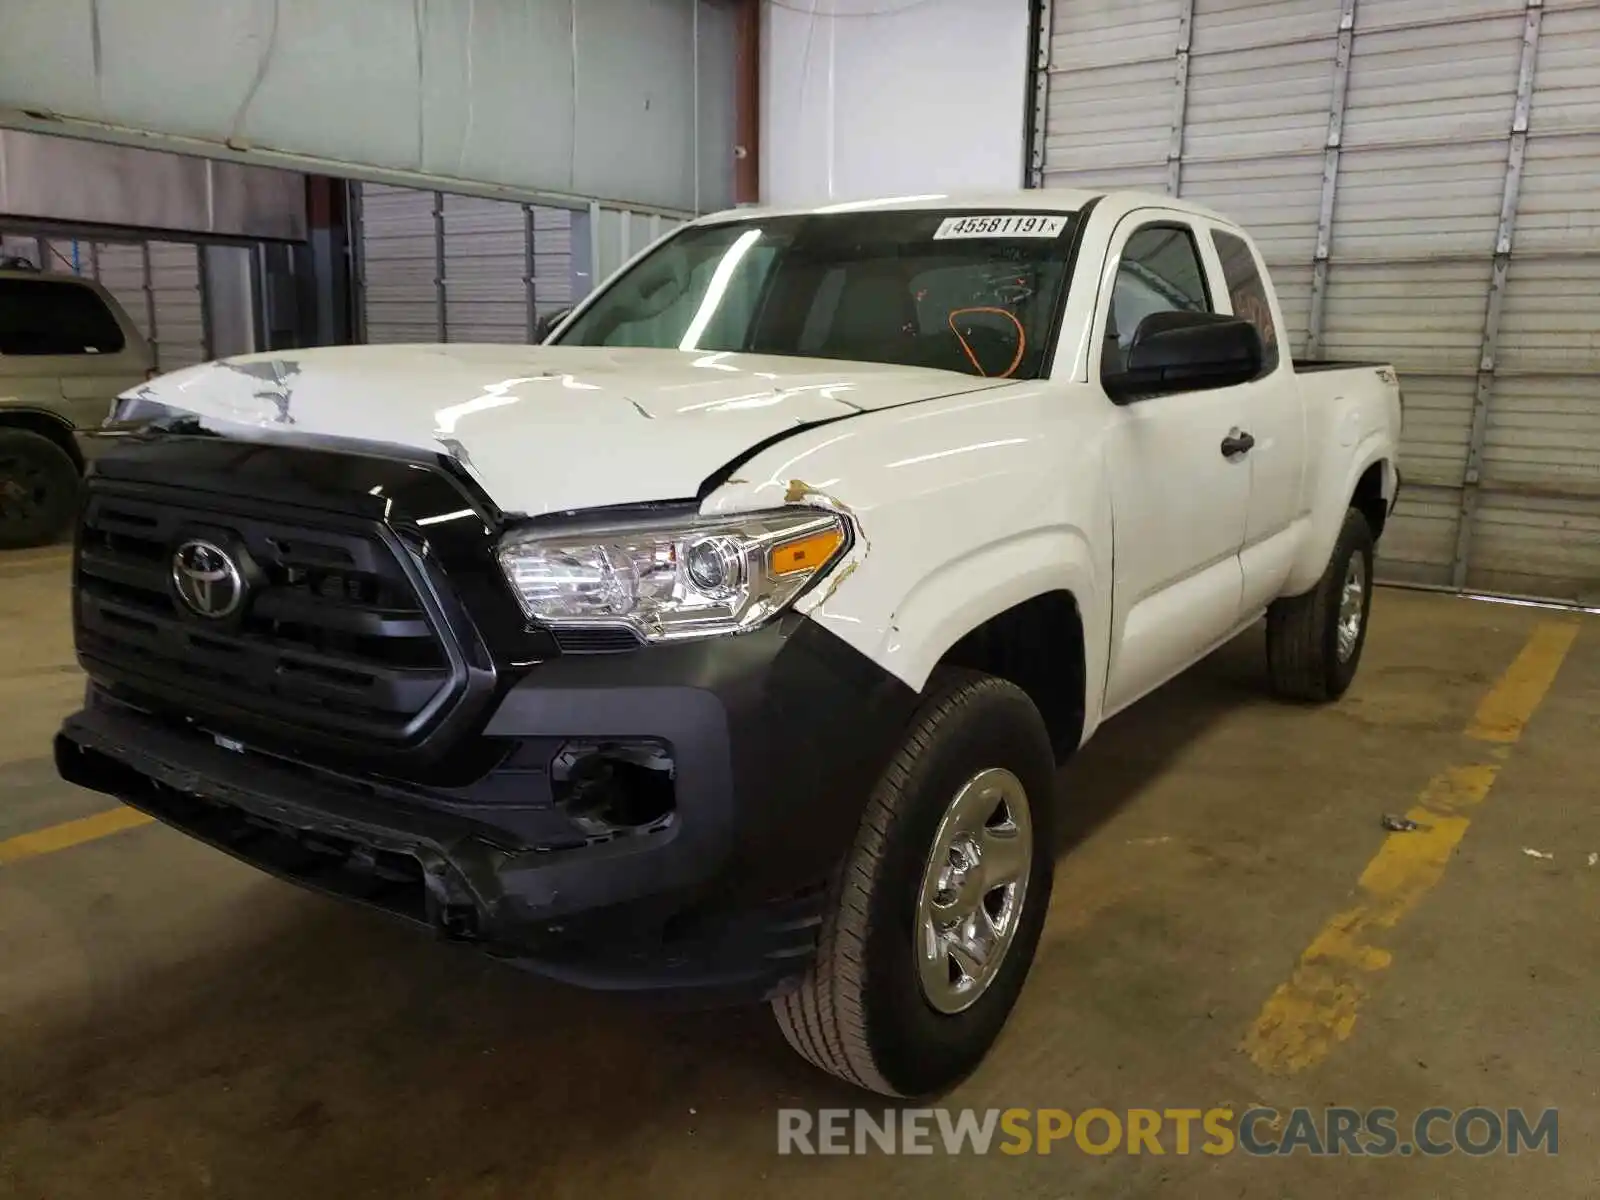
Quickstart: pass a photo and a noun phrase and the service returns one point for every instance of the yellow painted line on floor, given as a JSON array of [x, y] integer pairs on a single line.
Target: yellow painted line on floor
[[1316, 1009], [69, 834]]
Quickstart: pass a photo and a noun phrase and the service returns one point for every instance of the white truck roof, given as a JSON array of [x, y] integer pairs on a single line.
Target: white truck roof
[[1022, 199]]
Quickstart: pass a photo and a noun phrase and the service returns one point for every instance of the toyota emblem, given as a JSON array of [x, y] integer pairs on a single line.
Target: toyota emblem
[[207, 579]]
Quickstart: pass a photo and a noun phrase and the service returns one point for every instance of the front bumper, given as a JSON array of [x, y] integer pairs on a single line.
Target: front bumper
[[775, 739]]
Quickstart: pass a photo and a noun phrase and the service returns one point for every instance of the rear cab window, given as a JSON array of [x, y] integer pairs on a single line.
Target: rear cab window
[[1247, 292], [50, 317]]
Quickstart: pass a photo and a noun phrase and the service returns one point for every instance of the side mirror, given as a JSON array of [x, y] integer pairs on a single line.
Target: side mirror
[[1187, 352], [549, 321]]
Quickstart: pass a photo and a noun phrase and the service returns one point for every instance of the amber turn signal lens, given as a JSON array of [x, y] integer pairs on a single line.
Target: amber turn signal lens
[[806, 553]]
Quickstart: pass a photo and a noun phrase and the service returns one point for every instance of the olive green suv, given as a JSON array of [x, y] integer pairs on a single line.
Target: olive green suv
[[67, 348]]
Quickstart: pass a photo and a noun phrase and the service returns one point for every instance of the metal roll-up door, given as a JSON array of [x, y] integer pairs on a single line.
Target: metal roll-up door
[[120, 268], [1536, 520], [552, 259], [399, 269], [180, 322], [1424, 179], [443, 267], [485, 270], [1110, 95]]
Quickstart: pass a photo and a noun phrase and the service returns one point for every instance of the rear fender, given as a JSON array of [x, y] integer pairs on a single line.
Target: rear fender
[[1330, 505]]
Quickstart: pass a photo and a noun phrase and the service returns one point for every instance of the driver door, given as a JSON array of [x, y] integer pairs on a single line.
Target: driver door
[[1180, 502]]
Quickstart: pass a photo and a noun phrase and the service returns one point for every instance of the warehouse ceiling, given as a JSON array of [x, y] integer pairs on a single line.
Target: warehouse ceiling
[[533, 99]]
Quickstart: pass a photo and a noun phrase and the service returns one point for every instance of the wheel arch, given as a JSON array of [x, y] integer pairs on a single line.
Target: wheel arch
[[47, 425], [1037, 644], [1363, 487]]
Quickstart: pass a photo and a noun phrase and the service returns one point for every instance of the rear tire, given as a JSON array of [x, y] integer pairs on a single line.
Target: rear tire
[[866, 1008], [38, 490], [1314, 641]]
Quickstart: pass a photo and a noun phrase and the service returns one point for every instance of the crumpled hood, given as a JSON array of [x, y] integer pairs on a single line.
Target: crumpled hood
[[545, 428]]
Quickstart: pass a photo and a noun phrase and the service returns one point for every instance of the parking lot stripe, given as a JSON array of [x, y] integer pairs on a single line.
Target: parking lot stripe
[[69, 834], [1316, 1009]]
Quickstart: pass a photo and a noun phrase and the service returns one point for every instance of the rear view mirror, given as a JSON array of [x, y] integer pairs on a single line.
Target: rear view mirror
[[1187, 352]]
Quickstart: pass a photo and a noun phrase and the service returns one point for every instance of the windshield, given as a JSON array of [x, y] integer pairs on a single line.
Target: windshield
[[970, 292]]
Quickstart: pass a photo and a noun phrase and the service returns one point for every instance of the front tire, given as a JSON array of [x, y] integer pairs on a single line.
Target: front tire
[[1314, 640], [935, 916], [38, 490]]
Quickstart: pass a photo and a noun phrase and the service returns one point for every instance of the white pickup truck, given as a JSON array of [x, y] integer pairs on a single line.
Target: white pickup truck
[[729, 642]]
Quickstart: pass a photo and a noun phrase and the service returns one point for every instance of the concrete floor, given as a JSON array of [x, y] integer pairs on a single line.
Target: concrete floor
[[174, 1024]]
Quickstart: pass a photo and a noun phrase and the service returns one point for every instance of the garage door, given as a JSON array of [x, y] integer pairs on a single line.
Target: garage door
[[442, 267], [1424, 178]]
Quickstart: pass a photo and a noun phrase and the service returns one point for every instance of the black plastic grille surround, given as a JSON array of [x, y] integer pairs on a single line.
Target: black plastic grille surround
[[333, 634]]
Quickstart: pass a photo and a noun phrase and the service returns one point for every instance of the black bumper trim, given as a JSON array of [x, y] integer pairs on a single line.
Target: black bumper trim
[[777, 739]]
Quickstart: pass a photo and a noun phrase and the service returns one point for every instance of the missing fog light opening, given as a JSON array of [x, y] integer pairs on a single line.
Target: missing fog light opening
[[614, 788]]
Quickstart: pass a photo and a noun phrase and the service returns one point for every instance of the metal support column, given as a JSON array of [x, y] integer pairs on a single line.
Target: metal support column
[[356, 235], [441, 309], [746, 104], [530, 292], [260, 278], [1039, 102], [1498, 272], [1330, 176], [594, 246], [150, 305], [1180, 99], [208, 341]]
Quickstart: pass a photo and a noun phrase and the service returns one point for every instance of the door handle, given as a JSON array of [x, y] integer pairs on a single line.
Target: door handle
[[1237, 442]]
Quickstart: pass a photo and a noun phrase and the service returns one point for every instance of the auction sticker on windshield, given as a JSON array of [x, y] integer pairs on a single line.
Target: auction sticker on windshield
[[1002, 225]]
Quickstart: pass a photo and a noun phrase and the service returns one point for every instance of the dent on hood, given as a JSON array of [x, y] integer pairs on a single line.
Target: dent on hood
[[261, 395], [274, 377], [268, 402]]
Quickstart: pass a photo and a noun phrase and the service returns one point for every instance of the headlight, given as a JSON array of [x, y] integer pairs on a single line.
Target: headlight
[[672, 580], [136, 409]]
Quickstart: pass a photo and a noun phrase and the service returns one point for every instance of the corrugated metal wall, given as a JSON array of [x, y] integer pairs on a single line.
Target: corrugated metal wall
[[441, 267], [158, 283], [1424, 178]]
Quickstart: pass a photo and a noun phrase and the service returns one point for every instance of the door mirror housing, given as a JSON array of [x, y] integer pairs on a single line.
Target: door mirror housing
[[1187, 352], [542, 328]]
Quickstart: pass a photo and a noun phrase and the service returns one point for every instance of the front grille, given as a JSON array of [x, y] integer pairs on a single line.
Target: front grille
[[332, 635]]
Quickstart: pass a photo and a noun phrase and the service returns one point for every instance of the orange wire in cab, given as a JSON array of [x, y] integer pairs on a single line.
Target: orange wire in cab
[[1022, 339]]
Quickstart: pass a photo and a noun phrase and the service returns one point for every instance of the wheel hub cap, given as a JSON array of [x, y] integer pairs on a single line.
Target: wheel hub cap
[[973, 888], [1352, 605], [17, 498]]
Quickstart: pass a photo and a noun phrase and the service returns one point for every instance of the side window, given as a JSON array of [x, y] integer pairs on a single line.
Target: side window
[[1247, 291], [1160, 272], [47, 317]]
